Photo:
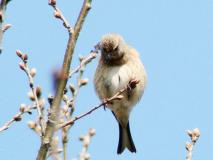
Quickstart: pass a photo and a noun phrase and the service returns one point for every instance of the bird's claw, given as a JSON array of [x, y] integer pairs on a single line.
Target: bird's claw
[[105, 107], [132, 84], [105, 101]]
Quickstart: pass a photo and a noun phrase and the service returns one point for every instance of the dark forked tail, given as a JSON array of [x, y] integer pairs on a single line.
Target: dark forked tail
[[125, 139]]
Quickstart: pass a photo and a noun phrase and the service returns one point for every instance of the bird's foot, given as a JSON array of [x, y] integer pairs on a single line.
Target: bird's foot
[[132, 84]]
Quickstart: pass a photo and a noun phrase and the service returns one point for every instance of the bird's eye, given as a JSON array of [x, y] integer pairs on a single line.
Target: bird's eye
[[104, 49]]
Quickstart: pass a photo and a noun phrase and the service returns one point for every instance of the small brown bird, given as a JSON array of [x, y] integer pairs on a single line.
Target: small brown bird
[[119, 64]]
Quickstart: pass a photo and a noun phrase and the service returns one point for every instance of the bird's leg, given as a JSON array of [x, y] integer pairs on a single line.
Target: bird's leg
[[131, 85], [105, 104]]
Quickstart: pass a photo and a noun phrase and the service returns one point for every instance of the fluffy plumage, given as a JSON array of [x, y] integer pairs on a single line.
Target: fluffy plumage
[[119, 63]]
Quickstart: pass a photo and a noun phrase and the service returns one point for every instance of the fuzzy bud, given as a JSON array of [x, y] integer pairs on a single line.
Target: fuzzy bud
[[81, 58], [25, 57], [81, 138], [188, 146], [38, 129], [86, 156], [57, 14], [18, 53], [72, 88], [41, 103], [17, 117], [91, 132], [22, 66], [31, 96], [189, 133], [23, 107], [196, 132], [93, 55], [52, 2], [33, 72], [38, 92], [65, 98], [31, 124], [83, 82]]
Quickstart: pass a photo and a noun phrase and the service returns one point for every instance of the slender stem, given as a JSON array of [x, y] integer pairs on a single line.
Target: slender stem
[[3, 4], [65, 142], [66, 131], [55, 107], [71, 122], [80, 68], [86, 60], [86, 140], [118, 96], [194, 136], [33, 90], [63, 19], [26, 69], [15, 118]]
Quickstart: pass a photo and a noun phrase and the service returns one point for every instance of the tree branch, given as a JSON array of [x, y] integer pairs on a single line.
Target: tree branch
[[118, 96], [55, 107], [23, 109], [30, 74]]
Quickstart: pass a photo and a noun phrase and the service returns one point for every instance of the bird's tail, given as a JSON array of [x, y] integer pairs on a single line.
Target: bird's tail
[[125, 139]]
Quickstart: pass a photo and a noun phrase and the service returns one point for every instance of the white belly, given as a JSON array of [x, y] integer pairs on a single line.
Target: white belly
[[118, 78]]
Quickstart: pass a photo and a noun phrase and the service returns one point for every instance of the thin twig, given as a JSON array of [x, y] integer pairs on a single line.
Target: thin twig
[[25, 68], [6, 27], [17, 117], [86, 139], [3, 5], [118, 96], [86, 60], [194, 136], [55, 107], [65, 131], [80, 83], [58, 14]]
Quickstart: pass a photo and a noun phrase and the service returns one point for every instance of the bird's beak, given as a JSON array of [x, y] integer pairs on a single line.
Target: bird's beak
[[97, 46]]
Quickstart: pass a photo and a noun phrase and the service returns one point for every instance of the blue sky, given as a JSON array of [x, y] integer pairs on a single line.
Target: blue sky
[[175, 41]]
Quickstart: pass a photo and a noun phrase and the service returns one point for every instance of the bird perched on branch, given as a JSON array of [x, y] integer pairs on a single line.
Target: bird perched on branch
[[119, 64]]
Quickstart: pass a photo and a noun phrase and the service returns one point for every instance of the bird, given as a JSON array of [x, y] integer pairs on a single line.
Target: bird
[[119, 63]]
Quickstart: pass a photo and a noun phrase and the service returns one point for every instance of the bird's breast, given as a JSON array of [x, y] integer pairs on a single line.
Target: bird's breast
[[116, 78]]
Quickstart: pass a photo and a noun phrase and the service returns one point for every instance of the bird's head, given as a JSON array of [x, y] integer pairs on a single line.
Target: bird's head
[[111, 47]]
